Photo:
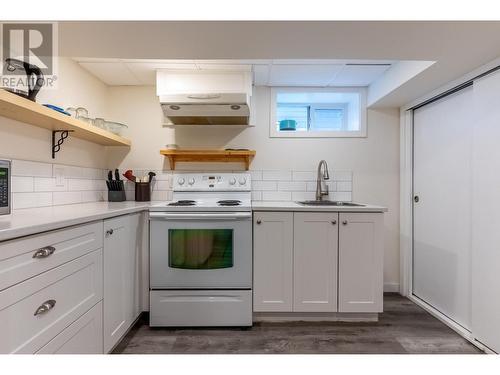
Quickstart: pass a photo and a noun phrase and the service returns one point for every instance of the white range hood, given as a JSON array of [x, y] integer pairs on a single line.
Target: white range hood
[[205, 97]]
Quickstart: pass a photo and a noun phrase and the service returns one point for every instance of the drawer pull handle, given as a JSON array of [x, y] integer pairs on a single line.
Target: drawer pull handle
[[44, 252], [109, 232], [45, 307], [259, 221], [344, 222], [334, 222]]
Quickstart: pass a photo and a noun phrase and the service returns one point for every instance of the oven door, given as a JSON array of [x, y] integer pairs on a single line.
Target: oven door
[[204, 250]]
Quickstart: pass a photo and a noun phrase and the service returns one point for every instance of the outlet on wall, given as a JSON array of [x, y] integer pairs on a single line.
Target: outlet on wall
[[59, 174]]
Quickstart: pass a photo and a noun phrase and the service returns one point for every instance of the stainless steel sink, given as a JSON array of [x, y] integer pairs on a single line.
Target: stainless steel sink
[[330, 203]]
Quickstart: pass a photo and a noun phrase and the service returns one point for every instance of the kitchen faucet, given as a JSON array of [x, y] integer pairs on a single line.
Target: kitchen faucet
[[320, 192]]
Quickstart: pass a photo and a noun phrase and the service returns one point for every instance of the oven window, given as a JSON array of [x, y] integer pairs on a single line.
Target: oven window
[[200, 249]]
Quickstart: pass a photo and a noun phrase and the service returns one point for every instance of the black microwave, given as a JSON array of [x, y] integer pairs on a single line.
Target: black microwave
[[5, 196]]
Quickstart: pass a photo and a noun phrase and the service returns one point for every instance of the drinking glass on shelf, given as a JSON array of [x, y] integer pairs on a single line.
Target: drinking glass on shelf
[[81, 112]]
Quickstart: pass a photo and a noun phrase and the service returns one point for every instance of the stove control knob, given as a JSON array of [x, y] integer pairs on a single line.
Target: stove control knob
[[191, 181], [242, 181], [181, 181], [232, 181]]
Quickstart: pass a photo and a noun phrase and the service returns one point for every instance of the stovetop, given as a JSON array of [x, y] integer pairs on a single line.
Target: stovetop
[[208, 192], [204, 204]]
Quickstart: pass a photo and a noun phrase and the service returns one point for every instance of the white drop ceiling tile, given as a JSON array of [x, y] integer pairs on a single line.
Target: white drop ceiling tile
[[113, 74], [145, 75], [226, 67], [358, 75], [302, 75], [145, 72]]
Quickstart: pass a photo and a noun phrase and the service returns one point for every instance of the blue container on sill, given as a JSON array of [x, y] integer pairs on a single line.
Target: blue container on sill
[[286, 125]]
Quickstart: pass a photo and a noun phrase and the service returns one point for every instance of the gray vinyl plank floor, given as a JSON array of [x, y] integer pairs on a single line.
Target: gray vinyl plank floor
[[403, 328]]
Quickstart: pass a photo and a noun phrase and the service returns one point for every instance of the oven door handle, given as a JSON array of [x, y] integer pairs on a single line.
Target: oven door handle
[[200, 216]]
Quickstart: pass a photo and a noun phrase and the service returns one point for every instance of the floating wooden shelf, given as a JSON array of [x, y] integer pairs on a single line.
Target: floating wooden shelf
[[24, 110], [174, 156]]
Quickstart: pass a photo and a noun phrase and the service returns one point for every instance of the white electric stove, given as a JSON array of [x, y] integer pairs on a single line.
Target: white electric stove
[[201, 252]]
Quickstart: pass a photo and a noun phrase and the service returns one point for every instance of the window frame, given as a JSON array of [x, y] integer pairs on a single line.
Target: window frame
[[362, 132]]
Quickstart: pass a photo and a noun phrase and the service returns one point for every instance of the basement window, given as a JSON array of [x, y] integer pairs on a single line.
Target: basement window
[[316, 112]]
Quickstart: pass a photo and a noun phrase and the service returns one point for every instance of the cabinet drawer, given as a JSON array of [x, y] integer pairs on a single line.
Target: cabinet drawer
[[18, 261], [67, 291], [179, 308], [82, 337]]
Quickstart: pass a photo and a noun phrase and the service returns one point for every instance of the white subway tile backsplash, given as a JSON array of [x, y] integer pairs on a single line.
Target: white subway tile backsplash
[[311, 186], [256, 195], [93, 196], [344, 186], [159, 195], [301, 184], [302, 195], [67, 197], [342, 176], [163, 176], [161, 185], [49, 184], [28, 200], [34, 185], [276, 196], [303, 176], [81, 185], [22, 184], [292, 186], [31, 168], [264, 185], [256, 175], [277, 175]]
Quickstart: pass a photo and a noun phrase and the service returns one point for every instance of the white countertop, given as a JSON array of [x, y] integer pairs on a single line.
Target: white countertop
[[35, 220], [294, 206]]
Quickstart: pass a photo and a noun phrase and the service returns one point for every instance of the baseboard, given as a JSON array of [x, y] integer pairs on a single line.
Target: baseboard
[[391, 287], [279, 317]]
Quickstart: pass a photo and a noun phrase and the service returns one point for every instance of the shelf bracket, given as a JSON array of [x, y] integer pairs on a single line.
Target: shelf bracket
[[56, 146]]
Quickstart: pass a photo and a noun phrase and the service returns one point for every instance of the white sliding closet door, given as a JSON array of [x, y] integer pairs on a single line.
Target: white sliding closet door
[[442, 179], [486, 213]]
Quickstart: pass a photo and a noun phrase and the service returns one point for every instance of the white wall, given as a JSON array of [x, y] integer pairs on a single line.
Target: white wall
[[76, 87], [374, 160]]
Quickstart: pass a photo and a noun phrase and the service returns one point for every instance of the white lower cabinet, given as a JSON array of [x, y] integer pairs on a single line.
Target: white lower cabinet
[[121, 277], [318, 262], [75, 290], [315, 245], [82, 337], [361, 257], [273, 261], [35, 311]]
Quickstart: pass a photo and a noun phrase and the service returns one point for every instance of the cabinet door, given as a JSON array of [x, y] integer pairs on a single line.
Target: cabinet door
[[315, 262], [118, 279], [361, 257], [82, 337], [273, 261]]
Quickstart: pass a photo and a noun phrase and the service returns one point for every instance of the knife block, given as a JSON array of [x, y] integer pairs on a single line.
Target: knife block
[[142, 191], [116, 196]]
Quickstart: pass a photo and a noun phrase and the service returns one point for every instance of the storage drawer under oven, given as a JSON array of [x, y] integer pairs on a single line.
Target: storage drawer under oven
[[177, 308]]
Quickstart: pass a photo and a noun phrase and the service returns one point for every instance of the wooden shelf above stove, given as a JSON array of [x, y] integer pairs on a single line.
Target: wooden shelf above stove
[[210, 156]]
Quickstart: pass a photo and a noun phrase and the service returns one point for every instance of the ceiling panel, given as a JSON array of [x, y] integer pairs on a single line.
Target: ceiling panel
[[302, 75], [358, 75], [130, 72], [111, 73]]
